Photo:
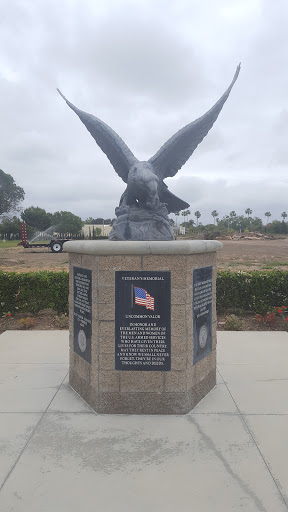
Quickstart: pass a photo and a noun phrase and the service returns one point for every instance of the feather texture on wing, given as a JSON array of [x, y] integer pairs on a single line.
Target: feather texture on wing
[[178, 149], [173, 203], [111, 144]]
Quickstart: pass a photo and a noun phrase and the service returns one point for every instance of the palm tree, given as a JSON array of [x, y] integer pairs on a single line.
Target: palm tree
[[183, 215], [267, 214], [214, 215], [176, 215], [284, 215], [197, 215], [248, 212], [233, 214], [228, 219], [188, 213]]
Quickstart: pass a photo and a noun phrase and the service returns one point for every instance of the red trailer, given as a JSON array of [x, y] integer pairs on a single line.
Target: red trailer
[[56, 244]]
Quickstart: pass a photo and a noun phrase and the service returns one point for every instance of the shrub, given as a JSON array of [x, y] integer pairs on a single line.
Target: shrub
[[33, 291], [255, 291], [233, 323], [269, 319], [27, 323], [62, 321]]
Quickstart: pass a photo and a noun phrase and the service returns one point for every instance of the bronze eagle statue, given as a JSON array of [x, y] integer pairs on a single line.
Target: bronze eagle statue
[[145, 185]]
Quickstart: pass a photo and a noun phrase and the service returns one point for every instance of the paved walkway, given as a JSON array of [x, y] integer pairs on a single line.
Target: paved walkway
[[229, 454]]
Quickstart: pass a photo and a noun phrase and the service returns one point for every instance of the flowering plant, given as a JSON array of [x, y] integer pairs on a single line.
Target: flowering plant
[[269, 319], [282, 311]]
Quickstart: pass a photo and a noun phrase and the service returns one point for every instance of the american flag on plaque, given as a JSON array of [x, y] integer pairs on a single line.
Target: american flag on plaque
[[143, 298]]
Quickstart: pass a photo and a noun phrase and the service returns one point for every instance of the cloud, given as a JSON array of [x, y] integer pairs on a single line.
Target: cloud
[[147, 68]]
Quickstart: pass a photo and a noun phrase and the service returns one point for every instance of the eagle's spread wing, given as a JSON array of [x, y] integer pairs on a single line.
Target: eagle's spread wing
[[111, 144], [176, 151], [173, 203]]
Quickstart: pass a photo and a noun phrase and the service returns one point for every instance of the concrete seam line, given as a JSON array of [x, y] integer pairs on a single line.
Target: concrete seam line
[[254, 441]]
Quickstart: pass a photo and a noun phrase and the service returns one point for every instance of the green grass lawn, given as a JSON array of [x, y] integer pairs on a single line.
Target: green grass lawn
[[5, 244], [273, 264]]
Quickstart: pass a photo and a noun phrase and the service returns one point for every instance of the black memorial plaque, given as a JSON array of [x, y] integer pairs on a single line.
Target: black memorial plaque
[[82, 312], [143, 321], [202, 312]]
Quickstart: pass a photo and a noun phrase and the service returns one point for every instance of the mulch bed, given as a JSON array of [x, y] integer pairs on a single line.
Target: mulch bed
[[251, 322], [50, 320], [44, 320]]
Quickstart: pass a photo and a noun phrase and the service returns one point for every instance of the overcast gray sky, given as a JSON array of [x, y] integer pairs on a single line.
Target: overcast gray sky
[[146, 68]]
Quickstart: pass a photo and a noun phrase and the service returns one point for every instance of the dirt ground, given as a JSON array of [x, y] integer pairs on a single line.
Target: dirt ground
[[44, 320], [18, 259], [253, 254], [49, 320], [235, 255]]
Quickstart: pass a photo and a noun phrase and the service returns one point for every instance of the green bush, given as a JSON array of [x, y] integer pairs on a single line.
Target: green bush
[[255, 291], [33, 291], [233, 323]]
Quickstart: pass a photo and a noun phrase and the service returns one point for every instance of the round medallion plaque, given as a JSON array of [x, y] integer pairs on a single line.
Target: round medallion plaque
[[82, 340], [203, 336]]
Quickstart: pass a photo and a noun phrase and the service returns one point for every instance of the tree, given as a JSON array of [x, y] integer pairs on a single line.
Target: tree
[[98, 220], [176, 215], [278, 227], [184, 213], [214, 215], [248, 212], [188, 213], [228, 219], [240, 223], [9, 227], [10, 194], [256, 224], [284, 215], [67, 222], [267, 214], [197, 215], [37, 218]]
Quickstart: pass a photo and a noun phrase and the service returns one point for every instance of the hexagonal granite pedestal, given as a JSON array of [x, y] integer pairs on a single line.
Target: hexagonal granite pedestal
[[142, 324]]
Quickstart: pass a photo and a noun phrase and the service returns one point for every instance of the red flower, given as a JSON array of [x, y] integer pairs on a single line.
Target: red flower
[[279, 310], [9, 314], [286, 319], [284, 307]]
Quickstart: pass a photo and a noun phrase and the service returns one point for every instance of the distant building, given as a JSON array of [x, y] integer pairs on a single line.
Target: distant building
[[87, 230], [179, 230]]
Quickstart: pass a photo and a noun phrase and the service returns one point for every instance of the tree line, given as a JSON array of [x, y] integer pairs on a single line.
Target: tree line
[[232, 222], [36, 218], [64, 222]]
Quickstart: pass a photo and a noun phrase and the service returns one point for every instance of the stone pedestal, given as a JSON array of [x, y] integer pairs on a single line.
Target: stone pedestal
[[189, 354]]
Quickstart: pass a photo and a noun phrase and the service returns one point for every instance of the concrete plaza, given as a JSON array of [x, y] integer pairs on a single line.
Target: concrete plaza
[[229, 454]]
